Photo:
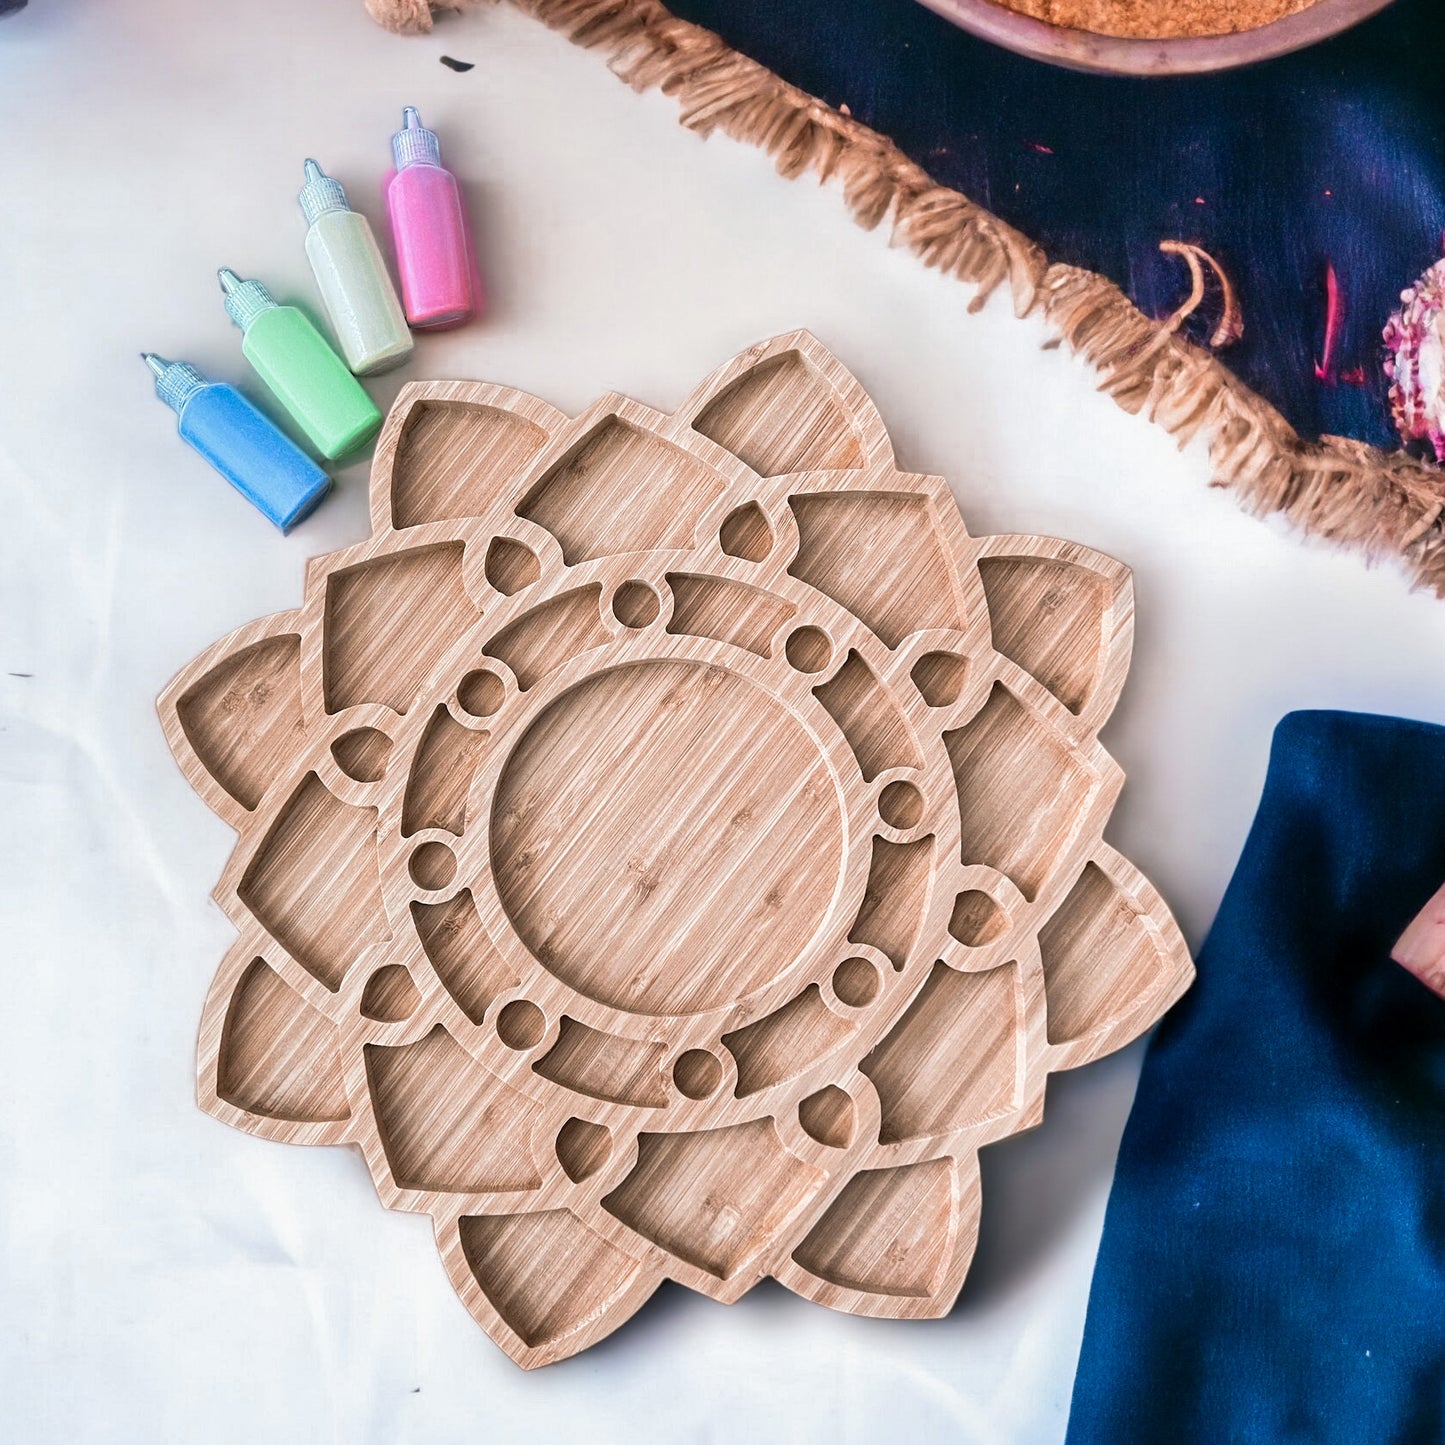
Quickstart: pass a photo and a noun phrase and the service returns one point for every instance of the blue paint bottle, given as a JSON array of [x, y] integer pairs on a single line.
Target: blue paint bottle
[[248, 449]]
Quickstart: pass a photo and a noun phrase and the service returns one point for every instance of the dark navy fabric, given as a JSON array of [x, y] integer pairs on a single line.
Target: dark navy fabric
[[1333, 156], [1273, 1258]]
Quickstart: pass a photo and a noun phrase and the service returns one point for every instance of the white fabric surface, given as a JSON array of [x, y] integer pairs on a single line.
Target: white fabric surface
[[164, 1278]]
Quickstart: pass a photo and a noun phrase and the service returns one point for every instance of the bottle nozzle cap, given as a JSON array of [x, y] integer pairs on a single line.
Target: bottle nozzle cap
[[320, 194], [414, 144], [245, 300], [176, 381]]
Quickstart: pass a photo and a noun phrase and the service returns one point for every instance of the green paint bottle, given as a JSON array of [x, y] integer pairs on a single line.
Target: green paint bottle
[[304, 374]]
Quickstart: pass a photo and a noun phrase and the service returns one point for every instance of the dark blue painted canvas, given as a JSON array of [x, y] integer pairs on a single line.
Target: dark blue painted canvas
[[1335, 155]]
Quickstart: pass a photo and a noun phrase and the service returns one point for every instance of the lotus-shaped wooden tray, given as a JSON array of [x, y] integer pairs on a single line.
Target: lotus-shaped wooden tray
[[670, 847]]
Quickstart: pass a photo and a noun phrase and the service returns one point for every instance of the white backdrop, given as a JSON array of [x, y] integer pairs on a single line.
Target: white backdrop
[[164, 1278]]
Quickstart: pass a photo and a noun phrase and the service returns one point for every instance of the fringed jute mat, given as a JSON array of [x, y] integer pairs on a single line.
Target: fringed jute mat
[[1383, 504]]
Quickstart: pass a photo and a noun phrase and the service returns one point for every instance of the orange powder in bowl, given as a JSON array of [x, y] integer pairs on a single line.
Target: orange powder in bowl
[[1157, 19]]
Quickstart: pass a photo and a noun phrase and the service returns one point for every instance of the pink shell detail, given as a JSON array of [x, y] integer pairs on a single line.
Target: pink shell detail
[[1415, 361]]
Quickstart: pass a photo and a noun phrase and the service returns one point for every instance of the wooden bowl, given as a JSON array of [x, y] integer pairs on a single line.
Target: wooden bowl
[[1115, 55]]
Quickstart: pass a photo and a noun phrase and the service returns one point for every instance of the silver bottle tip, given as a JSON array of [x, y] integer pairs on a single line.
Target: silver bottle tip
[[245, 300], [320, 194], [414, 144], [176, 381]]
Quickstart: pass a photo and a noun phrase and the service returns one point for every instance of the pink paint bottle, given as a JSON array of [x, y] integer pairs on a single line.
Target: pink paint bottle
[[429, 227]]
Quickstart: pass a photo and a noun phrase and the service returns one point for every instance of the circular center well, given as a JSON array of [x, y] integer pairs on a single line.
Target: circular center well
[[666, 838]]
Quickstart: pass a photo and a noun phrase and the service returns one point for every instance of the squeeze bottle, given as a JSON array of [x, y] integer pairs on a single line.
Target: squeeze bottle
[[241, 443], [352, 278], [306, 376], [433, 244]]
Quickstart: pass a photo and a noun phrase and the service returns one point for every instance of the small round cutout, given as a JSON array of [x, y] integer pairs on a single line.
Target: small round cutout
[[521, 1025], [808, 649], [855, 981], [433, 865], [900, 805], [697, 1073], [745, 533], [635, 604], [389, 995], [480, 693]]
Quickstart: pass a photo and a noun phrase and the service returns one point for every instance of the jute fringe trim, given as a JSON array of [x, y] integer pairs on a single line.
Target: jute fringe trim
[[1384, 504]]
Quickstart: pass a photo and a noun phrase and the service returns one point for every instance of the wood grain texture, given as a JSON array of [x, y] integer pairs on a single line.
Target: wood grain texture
[[671, 849]]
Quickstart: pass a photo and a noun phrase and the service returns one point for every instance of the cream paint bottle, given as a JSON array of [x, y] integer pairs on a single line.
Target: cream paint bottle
[[352, 277]]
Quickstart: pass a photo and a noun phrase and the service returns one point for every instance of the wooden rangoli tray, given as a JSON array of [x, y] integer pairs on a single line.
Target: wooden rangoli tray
[[670, 847]]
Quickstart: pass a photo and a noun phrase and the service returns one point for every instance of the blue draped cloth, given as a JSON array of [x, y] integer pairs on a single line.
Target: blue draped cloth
[[1273, 1257]]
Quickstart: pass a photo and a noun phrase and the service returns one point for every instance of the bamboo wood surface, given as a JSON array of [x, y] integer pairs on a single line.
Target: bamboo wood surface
[[671, 847]]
